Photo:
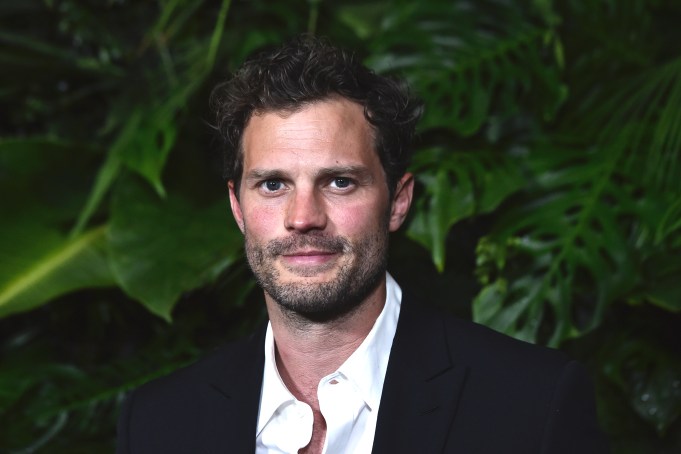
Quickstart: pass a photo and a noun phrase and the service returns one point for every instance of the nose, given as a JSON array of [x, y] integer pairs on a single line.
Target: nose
[[305, 211]]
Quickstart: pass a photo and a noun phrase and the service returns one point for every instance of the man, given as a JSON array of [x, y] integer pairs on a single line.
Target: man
[[317, 149]]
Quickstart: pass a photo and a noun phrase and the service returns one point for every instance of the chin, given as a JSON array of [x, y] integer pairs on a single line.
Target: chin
[[308, 275]]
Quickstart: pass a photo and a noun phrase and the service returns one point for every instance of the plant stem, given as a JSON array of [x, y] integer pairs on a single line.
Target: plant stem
[[217, 34]]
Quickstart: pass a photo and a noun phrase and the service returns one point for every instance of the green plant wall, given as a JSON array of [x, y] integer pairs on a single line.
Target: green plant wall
[[548, 203]]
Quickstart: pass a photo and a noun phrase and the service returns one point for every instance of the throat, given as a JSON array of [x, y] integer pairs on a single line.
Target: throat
[[316, 445]]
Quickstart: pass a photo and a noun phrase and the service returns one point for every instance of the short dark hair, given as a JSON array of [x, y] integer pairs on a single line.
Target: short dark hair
[[306, 70]]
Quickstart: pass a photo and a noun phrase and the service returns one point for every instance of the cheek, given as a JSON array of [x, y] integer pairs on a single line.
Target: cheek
[[263, 221], [358, 219]]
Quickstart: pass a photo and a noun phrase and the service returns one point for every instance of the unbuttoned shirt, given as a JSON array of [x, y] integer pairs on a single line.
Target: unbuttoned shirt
[[348, 398]]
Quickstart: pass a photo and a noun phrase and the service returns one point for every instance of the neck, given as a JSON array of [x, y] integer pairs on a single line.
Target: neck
[[308, 350]]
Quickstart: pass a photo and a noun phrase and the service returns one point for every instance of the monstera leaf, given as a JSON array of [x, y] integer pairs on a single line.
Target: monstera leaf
[[465, 184], [567, 251]]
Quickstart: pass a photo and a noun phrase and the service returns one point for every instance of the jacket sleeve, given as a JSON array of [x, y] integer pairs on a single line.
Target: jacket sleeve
[[572, 425]]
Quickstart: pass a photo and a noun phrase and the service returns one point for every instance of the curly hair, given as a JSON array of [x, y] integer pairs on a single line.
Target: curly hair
[[307, 70]]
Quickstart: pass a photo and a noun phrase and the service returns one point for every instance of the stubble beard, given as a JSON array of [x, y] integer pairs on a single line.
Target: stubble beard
[[355, 279]]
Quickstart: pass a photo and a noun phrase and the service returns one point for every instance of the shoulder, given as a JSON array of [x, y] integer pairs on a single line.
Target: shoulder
[[474, 344], [500, 371], [539, 392], [173, 413], [215, 366], [536, 398], [484, 346], [499, 364]]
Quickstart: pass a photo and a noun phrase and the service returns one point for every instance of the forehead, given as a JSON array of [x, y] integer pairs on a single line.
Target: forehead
[[330, 130]]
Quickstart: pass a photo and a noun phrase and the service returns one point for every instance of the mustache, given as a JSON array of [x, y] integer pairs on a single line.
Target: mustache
[[294, 243]]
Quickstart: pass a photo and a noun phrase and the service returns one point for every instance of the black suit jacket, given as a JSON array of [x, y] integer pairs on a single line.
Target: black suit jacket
[[451, 387]]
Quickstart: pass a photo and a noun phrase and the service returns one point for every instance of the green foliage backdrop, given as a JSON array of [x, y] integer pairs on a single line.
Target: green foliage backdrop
[[548, 203]]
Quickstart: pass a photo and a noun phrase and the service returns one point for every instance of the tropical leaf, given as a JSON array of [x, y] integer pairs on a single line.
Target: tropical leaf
[[469, 60], [660, 283], [17, 430], [31, 168], [161, 248], [642, 112], [149, 130], [38, 264], [22, 50], [465, 184], [563, 255], [649, 376], [37, 261], [363, 18], [24, 157], [41, 399], [148, 137]]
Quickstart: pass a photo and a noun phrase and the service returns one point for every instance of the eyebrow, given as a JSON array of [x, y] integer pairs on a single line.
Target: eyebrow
[[264, 174], [361, 173]]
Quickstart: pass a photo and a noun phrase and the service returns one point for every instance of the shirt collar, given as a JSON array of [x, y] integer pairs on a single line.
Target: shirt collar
[[365, 368], [274, 393]]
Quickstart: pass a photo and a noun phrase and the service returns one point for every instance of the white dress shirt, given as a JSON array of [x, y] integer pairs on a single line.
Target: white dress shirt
[[348, 397]]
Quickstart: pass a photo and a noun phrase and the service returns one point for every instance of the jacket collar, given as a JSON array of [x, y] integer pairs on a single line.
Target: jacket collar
[[418, 403], [230, 397], [422, 385]]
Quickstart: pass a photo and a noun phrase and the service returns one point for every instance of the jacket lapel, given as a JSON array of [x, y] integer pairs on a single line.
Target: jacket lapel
[[418, 403], [230, 398], [422, 385]]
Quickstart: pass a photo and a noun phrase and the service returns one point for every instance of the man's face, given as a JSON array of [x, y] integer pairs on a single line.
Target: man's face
[[314, 207]]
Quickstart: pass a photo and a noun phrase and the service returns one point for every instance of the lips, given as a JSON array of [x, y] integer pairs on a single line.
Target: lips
[[307, 253], [308, 257]]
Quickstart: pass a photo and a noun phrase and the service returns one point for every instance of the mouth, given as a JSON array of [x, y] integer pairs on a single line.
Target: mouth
[[308, 255], [311, 257]]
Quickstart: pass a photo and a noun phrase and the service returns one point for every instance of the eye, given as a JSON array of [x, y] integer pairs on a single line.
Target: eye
[[341, 182], [272, 185]]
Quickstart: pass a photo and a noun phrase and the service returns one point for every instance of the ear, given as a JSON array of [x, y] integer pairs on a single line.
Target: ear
[[236, 206], [401, 201]]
